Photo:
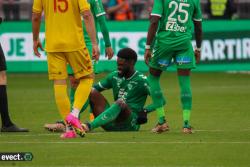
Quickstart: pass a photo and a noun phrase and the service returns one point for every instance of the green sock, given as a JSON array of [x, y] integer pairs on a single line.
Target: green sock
[[157, 97], [155, 91], [186, 118], [85, 106], [186, 98], [107, 116], [161, 115], [72, 96]]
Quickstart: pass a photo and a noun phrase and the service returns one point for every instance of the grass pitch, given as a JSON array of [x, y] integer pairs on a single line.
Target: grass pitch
[[221, 118]]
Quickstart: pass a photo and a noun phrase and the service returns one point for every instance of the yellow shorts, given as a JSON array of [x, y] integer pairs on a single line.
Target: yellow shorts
[[80, 62]]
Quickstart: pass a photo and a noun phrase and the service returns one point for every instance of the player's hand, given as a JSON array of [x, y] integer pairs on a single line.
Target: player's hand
[[37, 44], [147, 56], [142, 117], [95, 52], [109, 52], [197, 54]]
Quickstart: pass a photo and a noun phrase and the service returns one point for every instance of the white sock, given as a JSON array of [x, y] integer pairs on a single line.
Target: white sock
[[75, 112], [68, 128]]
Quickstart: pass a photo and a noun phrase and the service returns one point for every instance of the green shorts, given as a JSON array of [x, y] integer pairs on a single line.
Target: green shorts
[[128, 125], [164, 56], [89, 47]]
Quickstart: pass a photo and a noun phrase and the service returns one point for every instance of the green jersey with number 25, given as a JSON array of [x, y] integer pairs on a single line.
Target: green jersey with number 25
[[176, 19]]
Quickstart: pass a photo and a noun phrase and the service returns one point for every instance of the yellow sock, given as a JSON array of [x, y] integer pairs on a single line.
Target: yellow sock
[[82, 92], [62, 100]]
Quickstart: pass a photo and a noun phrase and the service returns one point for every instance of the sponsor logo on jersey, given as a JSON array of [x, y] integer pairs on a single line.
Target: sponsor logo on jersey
[[183, 60], [173, 26], [163, 63]]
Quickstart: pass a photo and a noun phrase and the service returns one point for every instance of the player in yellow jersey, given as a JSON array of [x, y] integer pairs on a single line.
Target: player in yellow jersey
[[65, 44]]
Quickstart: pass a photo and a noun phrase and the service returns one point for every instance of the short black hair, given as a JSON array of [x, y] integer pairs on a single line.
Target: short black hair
[[128, 54]]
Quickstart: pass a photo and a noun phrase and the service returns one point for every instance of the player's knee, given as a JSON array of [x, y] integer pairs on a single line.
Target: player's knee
[[60, 82], [155, 72], [94, 94], [183, 72], [122, 104]]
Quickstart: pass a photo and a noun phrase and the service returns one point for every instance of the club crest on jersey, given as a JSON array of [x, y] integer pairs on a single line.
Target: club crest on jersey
[[130, 86]]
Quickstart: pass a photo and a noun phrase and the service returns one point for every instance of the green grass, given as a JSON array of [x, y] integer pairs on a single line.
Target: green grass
[[221, 117]]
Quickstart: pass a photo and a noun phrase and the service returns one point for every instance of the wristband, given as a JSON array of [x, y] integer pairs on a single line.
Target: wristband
[[147, 46], [198, 49]]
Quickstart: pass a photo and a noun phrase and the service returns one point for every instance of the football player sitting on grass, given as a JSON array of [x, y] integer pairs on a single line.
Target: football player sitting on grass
[[130, 91]]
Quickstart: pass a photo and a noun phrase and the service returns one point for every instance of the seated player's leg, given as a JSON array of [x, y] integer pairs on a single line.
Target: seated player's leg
[[185, 61], [81, 64], [114, 118], [98, 102]]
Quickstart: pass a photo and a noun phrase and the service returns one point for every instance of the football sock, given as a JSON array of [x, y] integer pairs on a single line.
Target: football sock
[[157, 97], [4, 107], [161, 115], [105, 117], [82, 92], [85, 106], [62, 100], [186, 118], [186, 98], [75, 112], [72, 96]]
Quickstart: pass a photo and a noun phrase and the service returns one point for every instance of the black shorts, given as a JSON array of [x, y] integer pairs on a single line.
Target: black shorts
[[2, 60]]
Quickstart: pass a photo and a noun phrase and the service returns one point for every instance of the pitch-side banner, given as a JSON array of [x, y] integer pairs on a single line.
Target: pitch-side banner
[[220, 49]]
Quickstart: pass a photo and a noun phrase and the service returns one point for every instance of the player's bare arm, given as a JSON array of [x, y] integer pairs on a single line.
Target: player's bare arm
[[36, 21], [198, 39], [90, 27], [154, 20]]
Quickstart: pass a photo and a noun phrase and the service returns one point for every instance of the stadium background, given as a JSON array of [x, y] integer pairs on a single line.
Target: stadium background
[[226, 45]]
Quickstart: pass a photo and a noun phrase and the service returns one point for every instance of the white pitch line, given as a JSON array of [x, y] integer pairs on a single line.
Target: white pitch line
[[99, 133], [128, 142]]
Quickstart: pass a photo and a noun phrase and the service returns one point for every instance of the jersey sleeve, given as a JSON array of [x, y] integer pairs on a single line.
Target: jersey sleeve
[[104, 29], [157, 8], [105, 83], [98, 8], [37, 6], [83, 5], [197, 16]]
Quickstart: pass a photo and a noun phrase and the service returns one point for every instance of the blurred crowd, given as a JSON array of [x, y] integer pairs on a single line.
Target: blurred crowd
[[122, 10]]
